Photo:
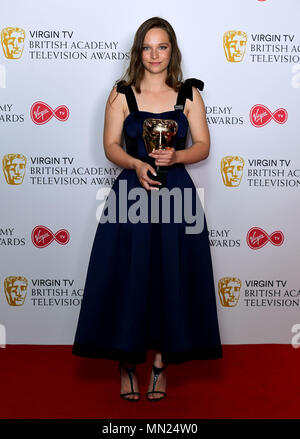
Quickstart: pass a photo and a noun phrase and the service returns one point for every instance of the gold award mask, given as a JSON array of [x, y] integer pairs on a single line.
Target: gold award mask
[[159, 133]]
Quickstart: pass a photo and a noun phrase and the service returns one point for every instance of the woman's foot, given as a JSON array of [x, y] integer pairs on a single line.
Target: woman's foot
[[161, 384], [126, 386]]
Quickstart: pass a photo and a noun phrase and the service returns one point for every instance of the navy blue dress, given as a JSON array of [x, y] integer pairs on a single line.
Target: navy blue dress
[[150, 285]]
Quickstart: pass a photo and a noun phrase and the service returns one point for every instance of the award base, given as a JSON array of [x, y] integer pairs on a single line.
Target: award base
[[162, 175]]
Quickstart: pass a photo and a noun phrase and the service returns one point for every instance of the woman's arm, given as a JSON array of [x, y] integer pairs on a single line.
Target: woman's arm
[[112, 133], [196, 116]]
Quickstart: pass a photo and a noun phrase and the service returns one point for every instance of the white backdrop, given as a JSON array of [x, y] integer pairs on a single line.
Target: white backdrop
[[73, 52]]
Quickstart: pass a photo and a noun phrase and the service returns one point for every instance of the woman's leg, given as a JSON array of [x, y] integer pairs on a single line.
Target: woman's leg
[[161, 383], [125, 382]]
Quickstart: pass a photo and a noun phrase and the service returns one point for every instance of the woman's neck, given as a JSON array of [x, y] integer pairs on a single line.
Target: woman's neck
[[154, 82]]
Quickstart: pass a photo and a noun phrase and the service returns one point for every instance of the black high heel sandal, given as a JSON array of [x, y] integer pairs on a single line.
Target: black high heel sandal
[[130, 370], [157, 371]]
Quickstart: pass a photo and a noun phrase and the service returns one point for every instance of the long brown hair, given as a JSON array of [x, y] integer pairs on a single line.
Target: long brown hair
[[135, 70]]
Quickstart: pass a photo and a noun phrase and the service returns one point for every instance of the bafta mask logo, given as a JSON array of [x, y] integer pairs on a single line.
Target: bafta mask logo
[[234, 43], [229, 291], [14, 166], [232, 170], [15, 288], [159, 133], [12, 41]]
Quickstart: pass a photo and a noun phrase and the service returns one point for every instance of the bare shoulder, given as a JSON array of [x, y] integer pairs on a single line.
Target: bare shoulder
[[197, 104], [197, 119], [116, 101], [114, 118]]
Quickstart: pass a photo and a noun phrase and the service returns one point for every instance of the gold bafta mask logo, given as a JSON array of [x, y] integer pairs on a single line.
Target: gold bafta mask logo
[[14, 166], [12, 41], [234, 43], [15, 288], [232, 170], [229, 291], [159, 133]]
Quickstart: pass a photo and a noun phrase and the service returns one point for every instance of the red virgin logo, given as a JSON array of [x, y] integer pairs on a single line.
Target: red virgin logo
[[41, 113], [261, 115], [41, 236], [257, 238]]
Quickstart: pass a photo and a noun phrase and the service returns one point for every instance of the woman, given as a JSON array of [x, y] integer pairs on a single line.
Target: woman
[[154, 288]]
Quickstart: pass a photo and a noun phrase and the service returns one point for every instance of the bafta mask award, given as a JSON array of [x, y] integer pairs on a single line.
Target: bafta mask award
[[159, 134]]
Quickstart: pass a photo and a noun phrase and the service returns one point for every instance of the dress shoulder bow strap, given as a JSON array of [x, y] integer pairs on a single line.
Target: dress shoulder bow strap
[[186, 91], [187, 85], [120, 87], [128, 92]]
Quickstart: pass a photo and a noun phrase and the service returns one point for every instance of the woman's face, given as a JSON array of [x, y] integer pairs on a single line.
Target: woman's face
[[156, 50]]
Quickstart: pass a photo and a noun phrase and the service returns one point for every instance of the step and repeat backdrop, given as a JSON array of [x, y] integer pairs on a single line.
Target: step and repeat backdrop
[[58, 63]]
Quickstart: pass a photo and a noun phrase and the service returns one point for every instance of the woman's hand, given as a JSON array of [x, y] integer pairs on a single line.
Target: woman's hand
[[141, 172], [164, 157]]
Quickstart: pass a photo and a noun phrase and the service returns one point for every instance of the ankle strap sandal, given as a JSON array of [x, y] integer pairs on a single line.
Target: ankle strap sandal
[[130, 370], [157, 371]]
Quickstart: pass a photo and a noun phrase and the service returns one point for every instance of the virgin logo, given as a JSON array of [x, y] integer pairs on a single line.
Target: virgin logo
[[261, 115], [257, 238], [41, 236], [41, 113]]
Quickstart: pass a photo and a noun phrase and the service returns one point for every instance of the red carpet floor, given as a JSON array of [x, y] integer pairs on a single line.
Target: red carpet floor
[[250, 381]]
